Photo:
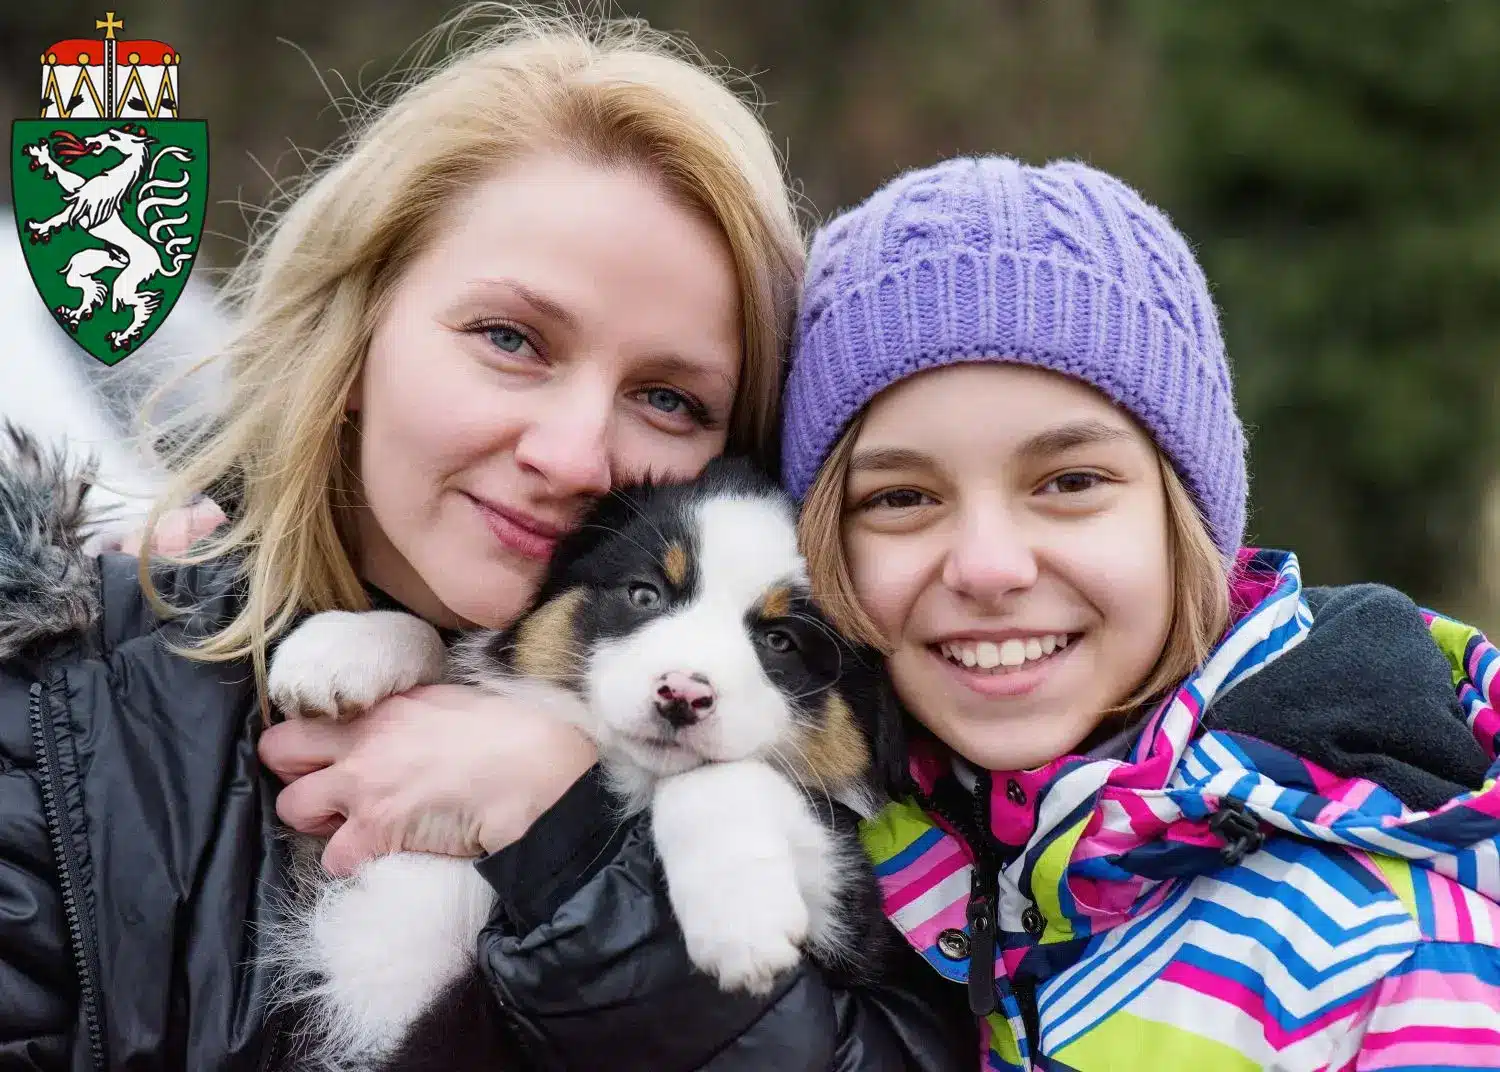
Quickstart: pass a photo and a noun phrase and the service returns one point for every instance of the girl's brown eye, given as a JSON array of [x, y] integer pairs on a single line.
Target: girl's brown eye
[[1072, 483], [900, 499]]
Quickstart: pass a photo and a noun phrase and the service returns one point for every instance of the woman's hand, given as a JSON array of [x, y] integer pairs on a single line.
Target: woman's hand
[[178, 529], [443, 769]]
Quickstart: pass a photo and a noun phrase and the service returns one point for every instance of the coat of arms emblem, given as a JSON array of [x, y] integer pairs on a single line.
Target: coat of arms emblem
[[109, 188]]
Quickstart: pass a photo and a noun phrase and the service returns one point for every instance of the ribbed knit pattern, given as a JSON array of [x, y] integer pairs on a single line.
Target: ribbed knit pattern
[[1062, 267]]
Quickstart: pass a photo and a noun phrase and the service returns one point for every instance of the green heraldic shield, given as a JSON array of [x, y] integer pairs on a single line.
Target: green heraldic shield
[[109, 189]]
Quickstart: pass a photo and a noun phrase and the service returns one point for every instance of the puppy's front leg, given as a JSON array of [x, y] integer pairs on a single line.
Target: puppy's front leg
[[722, 832], [338, 663]]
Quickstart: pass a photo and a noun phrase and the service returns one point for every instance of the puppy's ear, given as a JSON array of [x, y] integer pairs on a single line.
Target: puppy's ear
[[888, 742], [882, 720]]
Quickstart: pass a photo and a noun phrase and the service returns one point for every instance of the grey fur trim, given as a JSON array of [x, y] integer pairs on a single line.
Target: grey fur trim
[[48, 583]]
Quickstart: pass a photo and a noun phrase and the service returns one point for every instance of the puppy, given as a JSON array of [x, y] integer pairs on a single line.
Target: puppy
[[675, 627]]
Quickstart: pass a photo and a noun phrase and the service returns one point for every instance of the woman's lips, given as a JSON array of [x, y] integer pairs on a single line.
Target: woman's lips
[[527, 536]]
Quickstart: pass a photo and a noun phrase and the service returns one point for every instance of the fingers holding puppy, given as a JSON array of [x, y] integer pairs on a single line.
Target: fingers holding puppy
[[339, 663]]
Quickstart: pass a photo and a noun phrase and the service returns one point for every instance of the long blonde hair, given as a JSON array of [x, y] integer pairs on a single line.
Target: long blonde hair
[[1200, 607], [312, 288]]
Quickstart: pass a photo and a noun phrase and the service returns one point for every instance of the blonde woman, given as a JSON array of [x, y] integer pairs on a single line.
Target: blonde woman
[[563, 258]]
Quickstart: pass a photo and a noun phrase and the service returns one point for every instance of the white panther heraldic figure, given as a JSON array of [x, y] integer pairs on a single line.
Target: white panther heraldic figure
[[110, 200]]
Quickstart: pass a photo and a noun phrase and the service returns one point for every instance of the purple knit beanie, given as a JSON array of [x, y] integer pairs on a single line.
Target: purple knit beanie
[[1062, 267]]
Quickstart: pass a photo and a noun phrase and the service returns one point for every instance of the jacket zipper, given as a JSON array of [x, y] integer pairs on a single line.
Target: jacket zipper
[[982, 909], [68, 879]]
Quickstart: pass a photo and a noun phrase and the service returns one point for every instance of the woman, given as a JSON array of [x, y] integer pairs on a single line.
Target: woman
[[563, 259]]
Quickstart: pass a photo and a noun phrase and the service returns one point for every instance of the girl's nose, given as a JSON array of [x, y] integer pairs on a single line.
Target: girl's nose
[[991, 556]]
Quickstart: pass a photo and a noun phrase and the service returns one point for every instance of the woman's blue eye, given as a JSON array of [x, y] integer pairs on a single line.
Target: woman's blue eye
[[508, 339], [665, 400]]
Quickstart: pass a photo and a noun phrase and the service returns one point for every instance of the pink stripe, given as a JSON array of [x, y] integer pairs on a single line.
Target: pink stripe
[[914, 886], [1444, 919], [1429, 984], [1460, 911], [1253, 1005], [1485, 803], [925, 933], [1432, 1047], [1143, 821]]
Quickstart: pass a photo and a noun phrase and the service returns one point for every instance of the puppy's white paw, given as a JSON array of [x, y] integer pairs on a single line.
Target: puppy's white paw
[[338, 663], [723, 833], [747, 939]]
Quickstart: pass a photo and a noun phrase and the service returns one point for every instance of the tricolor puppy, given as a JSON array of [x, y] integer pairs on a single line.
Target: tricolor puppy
[[677, 628]]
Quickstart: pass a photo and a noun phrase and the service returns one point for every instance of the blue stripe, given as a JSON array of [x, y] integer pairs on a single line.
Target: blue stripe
[[911, 853], [1120, 936], [1253, 981]]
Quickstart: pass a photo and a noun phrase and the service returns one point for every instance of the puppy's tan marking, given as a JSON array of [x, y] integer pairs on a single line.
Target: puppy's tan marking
[[833, 752], [675, 563], [547, 642], [776, 603]]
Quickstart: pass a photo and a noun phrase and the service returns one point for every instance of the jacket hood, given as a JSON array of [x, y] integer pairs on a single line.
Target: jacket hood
[[47, 583]]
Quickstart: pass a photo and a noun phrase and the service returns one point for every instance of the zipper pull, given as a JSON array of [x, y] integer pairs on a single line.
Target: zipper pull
[[981, 916]]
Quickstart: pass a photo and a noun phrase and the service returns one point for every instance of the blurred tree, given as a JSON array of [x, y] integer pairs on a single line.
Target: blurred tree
[[1336, 164]]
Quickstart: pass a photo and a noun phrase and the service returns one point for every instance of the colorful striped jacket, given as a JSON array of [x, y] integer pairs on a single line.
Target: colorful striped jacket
[[1214, 902]]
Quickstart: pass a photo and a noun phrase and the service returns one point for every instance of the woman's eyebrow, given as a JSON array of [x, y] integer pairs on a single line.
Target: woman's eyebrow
[[547, 307]]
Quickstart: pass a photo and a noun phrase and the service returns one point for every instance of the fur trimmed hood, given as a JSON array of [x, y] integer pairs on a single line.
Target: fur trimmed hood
[[48, 583]]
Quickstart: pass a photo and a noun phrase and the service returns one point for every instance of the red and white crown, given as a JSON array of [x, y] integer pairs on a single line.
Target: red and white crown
[[106, 79]]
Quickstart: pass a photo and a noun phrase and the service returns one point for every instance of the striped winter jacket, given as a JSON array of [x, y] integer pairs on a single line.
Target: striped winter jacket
[[1215, 901]]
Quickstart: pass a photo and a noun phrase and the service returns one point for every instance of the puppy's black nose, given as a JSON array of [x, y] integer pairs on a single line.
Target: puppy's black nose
[[683, 699]]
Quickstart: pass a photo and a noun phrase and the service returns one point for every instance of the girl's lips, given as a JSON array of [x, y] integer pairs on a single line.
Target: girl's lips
[[524, 535], [1005, 681]]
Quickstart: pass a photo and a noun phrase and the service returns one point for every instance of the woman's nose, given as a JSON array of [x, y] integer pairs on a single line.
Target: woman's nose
[[990, 557], [567, 443]]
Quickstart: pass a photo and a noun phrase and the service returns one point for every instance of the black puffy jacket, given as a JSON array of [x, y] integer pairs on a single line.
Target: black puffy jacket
[[139, 860]]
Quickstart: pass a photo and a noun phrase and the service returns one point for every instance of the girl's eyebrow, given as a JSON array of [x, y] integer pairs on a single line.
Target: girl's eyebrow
[[1043, 445], [1064, 437], [884, 459]]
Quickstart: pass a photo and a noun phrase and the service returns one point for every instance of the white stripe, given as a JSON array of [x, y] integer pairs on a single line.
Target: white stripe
[[1204, 1016], [953, 888], [1145, 952], [1427, 1012]]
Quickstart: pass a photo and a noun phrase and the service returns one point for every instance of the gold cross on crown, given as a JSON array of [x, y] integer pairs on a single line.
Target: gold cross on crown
[[109, 25]]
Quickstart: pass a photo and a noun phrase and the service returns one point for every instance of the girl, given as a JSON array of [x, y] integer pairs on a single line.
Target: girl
[[564, 258], [1161, 806]]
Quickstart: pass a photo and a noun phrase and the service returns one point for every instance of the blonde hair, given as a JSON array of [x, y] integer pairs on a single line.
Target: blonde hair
[[312, 288], [1200, 608]]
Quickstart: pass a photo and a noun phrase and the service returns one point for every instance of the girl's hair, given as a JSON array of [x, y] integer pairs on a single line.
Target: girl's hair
[[1200, 608], [314, 283]]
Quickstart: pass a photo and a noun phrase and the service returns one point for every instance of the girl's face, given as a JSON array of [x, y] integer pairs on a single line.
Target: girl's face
[[569, 327], [1006, 528]]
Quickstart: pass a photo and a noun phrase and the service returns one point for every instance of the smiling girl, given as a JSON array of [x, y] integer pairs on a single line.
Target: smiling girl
[[1161, 806]]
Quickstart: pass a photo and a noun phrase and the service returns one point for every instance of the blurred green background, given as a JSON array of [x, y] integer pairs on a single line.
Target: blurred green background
[[1337, 166]]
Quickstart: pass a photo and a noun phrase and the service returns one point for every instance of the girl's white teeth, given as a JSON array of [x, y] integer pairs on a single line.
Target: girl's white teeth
[[987, 655]]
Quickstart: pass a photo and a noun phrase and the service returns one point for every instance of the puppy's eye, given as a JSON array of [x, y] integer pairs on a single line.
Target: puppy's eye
[[778, 640], [643, 595]]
